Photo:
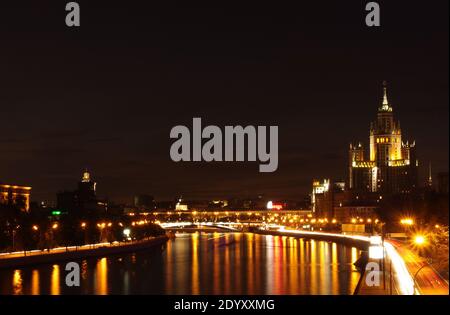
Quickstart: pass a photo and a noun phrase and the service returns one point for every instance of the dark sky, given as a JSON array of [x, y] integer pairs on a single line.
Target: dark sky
[[105, 95]]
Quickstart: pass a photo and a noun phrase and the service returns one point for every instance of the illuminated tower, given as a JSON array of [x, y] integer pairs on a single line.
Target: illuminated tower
[[392, 165], [87, 187]]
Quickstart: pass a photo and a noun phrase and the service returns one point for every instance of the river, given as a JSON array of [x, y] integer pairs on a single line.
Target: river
[[203, 263]]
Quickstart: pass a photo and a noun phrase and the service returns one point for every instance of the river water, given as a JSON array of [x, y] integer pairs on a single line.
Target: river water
[[203, 263]]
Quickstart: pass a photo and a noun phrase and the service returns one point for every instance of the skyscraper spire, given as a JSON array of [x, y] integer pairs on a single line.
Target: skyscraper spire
[[385, 104], [385, 100]]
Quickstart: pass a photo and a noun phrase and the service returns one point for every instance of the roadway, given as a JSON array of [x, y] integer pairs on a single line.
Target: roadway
[[428, 280]]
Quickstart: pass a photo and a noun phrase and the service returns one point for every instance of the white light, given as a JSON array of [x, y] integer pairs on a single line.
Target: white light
[[375, 252], [375, 240], [270, 205], [126, 232]]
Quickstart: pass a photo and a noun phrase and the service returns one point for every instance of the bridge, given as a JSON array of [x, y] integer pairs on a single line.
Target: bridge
[[296, 218]]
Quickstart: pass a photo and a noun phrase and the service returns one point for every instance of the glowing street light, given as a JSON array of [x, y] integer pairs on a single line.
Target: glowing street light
[[127, 232], [419, 240], [55, 226], [407, 221], [83, 225], [35, 227]]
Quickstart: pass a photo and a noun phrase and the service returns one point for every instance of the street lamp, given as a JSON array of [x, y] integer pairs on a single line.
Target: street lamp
[[419, 240], [127, 233]]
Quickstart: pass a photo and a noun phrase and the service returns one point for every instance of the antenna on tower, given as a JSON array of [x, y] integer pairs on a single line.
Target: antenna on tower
[[430, 177]]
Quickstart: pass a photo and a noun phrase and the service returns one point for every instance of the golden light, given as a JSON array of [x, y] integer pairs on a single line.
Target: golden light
[[109, 224], [419, 240], [353, 220], [437, 226], [369, 220], [407, 221], [35, 227], [101, 225], [333, 221], [83, 224], [55, 226]]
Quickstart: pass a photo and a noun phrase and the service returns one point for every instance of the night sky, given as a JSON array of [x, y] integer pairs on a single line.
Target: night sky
[[106, 95]]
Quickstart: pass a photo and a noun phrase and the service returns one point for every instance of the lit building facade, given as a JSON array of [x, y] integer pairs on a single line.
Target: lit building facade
[[15, 195], [391, 166], [327, 195]]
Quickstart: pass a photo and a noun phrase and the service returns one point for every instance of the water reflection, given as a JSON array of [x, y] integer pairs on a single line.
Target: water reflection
[[17, 282], [55, 281], [102, 276], [219, 263], [35, 288]]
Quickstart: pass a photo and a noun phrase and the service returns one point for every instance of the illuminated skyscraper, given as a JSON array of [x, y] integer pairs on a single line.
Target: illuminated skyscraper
[[392, 165]]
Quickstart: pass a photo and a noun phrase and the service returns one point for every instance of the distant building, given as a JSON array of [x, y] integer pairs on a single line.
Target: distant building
[[15, 195], [325, 196], [145, 202], [332, 200], [82, 201], [392, 164]]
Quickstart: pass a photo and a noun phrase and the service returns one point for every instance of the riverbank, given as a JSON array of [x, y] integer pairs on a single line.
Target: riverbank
[[74, 253]]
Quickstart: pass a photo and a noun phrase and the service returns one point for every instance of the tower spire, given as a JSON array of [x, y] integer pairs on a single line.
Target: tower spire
[[385, 100], [385, 104]]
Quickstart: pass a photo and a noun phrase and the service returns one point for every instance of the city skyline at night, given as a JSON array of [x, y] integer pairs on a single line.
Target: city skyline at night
[[218, 156], [316, 76]]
